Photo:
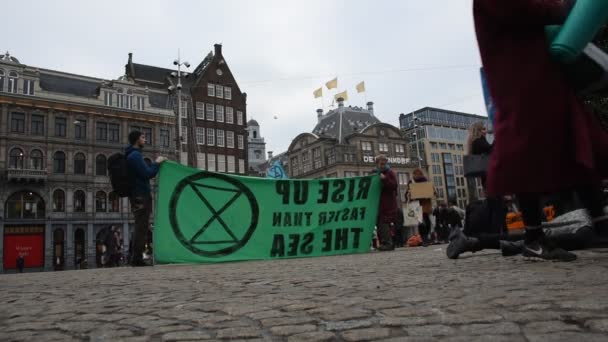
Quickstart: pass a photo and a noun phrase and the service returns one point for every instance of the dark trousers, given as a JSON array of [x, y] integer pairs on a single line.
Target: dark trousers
[[531, 210], [384, 234], [425, 227], [141, 207]]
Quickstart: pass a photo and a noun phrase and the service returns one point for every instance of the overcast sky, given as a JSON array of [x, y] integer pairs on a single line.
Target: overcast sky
[[410, 53]]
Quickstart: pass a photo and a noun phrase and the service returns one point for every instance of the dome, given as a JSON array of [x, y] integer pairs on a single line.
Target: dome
[[253, 123]]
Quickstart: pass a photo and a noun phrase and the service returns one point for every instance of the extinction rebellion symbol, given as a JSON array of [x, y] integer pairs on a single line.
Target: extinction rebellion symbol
[[219, 205]]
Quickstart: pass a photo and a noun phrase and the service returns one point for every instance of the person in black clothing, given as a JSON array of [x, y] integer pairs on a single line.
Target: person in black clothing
[[399, 238], [20, 263]]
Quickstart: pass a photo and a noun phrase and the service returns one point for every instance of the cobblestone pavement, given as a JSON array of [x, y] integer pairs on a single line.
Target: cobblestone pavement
[[413, 294]]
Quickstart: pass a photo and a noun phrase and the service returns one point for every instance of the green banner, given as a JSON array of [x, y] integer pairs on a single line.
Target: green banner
[[204, 217]]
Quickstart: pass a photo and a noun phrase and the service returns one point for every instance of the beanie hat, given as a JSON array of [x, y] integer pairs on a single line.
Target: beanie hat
[[134, 136]]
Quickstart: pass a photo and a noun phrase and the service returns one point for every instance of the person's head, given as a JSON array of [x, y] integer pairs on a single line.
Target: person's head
[[418, 174], [476, 131], [453, 203], [381, 162], [137, 139]]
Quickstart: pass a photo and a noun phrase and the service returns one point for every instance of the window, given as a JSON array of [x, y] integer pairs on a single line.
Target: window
[[306, 164], [184, 135], [437, 169], [229, 115], [184, 109], [200, 135], [107, 98], [114, 202], [210, 113], [220, 138], [460, 147], [383, 147], [114, 130], [36, 160], [452, 147], [28, 87], [200, 161], [140, 103], [12, 82], [316, 156], [239, 118], [442, 146], [164, 137], [60, 125], [59, 162], [230, 139], [80, 164], [2, 77], [399, 148], [295, 166], [366, 146], [403, 178], [100, 202], [25, 205], [231, 164], [434, 145], [241, 142], [16, 159], [102, 131], [210, 137], [228, 93], [440, 193], [148, 134], [242, 166], [58, 201], [200, 110], [438, 181], [219, 91], [221, 163], [18, 123], [80, 130], [79, 201], [210, 89], [211, 162], [219, 113], [101, 165]]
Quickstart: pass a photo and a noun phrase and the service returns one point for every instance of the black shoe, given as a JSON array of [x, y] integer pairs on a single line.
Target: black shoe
[[509, 248], [460, 243], [541, 250], [386, 248], [139, 263]]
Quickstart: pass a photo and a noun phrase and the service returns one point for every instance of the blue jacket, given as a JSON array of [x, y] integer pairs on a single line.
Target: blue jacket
[[139, 171]]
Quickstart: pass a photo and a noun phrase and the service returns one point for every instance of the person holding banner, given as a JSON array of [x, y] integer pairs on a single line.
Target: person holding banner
[[545, 139], [387, 211]]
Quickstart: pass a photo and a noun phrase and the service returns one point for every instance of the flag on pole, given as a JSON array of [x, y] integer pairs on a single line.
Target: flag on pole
[[361, 87], [343, 95], [318, 93], [332, 84]]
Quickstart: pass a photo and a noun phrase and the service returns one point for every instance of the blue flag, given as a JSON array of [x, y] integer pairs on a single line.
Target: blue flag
[[276, 171], [490, 108]]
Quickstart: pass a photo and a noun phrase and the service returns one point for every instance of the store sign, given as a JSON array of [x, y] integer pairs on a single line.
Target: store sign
[[391, 160], [30, 246]]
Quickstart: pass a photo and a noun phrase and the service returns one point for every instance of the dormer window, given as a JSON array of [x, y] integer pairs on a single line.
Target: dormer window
[[28, 87]]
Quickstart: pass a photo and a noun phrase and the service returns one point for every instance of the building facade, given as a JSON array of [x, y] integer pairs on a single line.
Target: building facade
[[213, 111], [439, 137], [256, 148], [57, 131], [345, 142]]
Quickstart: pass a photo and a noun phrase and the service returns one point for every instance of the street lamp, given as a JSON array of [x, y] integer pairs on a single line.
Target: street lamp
[[172, 88], [415, 135]]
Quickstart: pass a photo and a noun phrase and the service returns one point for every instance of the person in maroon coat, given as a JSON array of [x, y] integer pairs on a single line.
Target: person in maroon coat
[[388, 210], [545, 140]]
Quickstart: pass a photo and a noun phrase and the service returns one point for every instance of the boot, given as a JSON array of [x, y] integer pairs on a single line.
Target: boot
[[460, 243], [509, 248]]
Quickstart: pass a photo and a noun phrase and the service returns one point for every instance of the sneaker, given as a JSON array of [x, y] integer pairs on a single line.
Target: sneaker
[[386, 248], [460, 243], [509, 248], [540, 250]]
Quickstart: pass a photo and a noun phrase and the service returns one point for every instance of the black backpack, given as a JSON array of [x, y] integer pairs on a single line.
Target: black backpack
[[118, 169]]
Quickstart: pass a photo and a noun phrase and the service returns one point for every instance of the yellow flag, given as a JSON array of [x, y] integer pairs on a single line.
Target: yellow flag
[[343, 95], [361, 87], [332, 84], [318, 93]]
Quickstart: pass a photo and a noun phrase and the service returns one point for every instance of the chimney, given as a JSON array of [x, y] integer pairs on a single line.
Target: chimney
[[370, 107], [130, 57], [218, 49], [319, 114], [269, 155], [341, 104]]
